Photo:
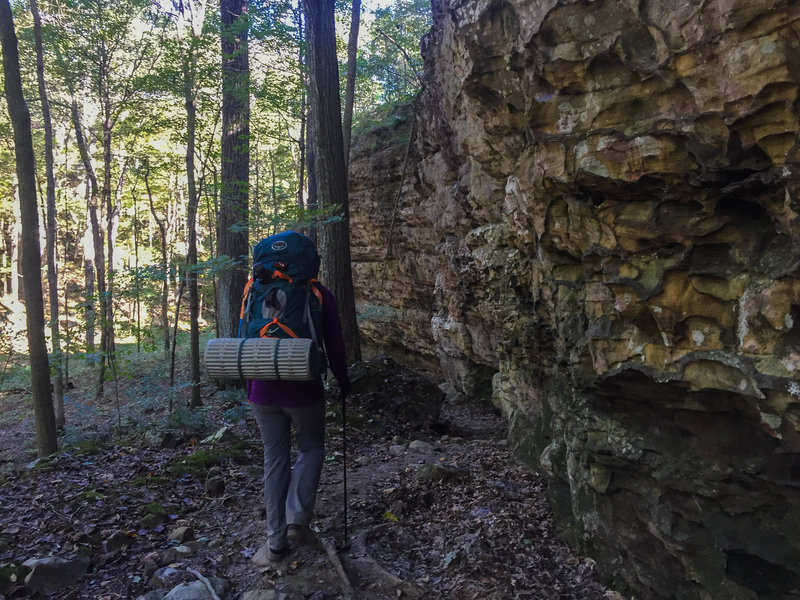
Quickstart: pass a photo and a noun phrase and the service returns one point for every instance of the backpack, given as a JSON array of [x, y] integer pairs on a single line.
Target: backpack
[[282, 298]]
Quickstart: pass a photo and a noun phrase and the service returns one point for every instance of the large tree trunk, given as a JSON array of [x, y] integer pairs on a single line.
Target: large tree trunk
[[301, 171], [52, 270], [331, 171], [311, 159], [46, 442], [350, 82], [232, 235]]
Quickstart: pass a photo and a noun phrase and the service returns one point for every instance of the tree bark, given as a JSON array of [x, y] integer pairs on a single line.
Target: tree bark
[[311, 159], [330, 169], [16, 241], [350, 82], [88, 266], [52, 260], [138, 298], [93, 226], [232, 235], [162, 228], [196, 17], [107, 303], [46, 442], [301, 171]]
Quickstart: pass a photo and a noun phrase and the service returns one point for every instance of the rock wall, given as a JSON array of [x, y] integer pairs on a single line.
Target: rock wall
[[599, 229]]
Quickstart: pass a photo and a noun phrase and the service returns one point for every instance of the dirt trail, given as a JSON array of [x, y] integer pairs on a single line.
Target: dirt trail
[[437, 508]]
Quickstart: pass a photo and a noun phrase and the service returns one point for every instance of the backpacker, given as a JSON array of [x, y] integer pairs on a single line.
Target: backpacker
[[282, 299]]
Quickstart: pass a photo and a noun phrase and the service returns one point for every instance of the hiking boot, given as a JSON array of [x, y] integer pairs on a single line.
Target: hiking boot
[[300, 534], [277, 555], [266, 555]]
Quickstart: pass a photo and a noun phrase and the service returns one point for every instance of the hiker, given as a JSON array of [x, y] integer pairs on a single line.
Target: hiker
[[290, 260]]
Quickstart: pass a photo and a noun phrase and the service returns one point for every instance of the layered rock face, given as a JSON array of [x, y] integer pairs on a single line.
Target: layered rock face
[[599, 228]]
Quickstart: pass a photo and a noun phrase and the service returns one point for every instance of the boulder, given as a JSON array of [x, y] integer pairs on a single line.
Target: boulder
[[182, 534], [598, 230], [197, 590], [54, 573]]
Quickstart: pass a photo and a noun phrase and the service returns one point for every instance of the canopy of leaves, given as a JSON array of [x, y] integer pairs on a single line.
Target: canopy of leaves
[[390, 62]]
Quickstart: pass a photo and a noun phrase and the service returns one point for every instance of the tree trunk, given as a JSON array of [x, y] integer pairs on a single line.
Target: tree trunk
[[52, 260], [107, 337], [162, 227], [311, 159], [94, 225], [189, 97], [210, 221], [350, 83], [274, 193], [88, 264], [138, 298], [232, 235], [15, 277], [46, 442], [331, 172], [301, 171]]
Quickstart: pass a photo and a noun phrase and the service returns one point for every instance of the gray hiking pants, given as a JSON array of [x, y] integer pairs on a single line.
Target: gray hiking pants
[[290, 492]]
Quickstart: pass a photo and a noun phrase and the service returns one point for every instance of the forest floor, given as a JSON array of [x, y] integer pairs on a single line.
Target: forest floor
[[437, 507]]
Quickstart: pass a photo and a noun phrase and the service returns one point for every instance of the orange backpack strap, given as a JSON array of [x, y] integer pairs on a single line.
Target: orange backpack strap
[[244, 296], [316, 290]]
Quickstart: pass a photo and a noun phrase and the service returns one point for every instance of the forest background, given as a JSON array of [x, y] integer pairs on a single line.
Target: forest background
[[120, 94]]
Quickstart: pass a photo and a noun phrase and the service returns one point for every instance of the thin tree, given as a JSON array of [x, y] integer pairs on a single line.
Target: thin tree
[[104, 50], [350, 82], [330, 166], [97, 255], [94, 258], [163, 228], [196, 10], [46, 442], [52, 256], [232, 232]]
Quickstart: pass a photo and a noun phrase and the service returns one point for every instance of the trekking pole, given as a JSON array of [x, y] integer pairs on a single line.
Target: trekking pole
[[344, 460]]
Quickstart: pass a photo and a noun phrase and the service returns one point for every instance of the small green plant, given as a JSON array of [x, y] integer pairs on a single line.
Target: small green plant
[[149, 481], [87, 447], [92, 495], [194, 464]]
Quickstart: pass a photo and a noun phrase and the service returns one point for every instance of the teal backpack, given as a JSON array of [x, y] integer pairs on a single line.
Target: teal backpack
[[282, 298]]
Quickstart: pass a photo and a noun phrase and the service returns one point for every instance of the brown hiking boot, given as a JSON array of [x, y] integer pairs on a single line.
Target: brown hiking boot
[[300, 534]]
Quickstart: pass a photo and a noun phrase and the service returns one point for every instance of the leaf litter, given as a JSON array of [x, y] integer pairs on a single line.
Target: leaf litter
[[437, 507]]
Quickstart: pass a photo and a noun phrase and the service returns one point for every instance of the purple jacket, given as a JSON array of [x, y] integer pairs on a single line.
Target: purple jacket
[[301, 393]]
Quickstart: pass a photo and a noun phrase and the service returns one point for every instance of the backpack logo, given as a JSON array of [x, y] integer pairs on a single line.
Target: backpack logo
[[279, 245]]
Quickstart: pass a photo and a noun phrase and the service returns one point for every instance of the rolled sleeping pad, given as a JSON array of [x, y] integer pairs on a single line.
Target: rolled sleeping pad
[[289, 359]]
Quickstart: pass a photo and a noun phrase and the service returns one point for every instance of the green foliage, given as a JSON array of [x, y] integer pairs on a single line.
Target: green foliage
[[16, 377], [390, 63], [199, 461], [155, 508], [193, 421], [92, 495], [129, 59], [87, 447]]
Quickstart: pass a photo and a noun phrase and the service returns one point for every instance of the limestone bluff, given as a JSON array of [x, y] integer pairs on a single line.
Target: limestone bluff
[[598, 229]]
